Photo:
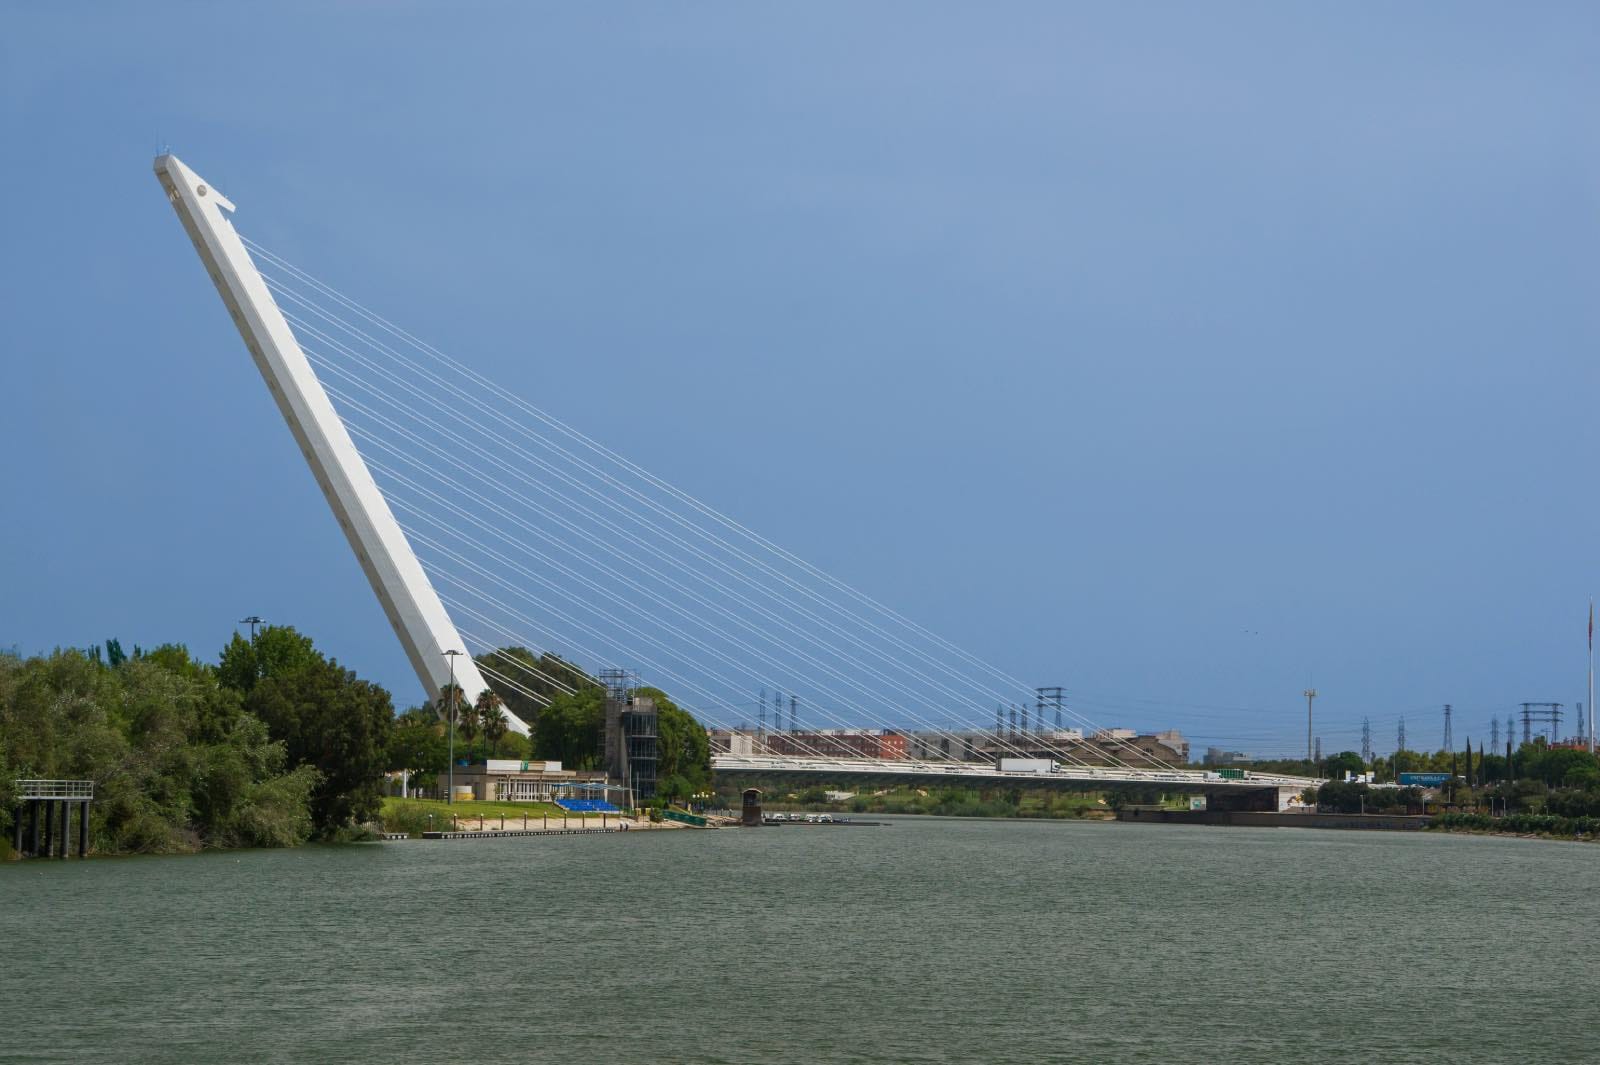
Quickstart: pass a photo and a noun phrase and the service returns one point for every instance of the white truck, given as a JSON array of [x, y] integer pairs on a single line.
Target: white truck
[[1029, 765]]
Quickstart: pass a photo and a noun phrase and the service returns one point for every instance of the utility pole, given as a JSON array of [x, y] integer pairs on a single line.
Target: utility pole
[[1591, 677], [452, 656], [1449, 740], [1311, 697], [252, 621]]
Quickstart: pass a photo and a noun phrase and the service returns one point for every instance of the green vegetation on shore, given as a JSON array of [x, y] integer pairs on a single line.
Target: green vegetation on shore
[[1536, 789], [274, 745], [569, 729]]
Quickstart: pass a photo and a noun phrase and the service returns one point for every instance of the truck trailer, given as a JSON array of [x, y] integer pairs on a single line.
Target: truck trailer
[[1029, 765]]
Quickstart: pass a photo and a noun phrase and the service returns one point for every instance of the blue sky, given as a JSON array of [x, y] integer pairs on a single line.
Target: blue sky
[[1182, 355]]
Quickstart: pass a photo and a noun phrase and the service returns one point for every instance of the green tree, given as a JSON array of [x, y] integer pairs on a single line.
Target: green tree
[[277, 650], [328, 718], [524, 680], [466, 723], [569, 729], [492, 719], [683, 748], [176, 761], [417, 747], [1345, 760], [673, 789]]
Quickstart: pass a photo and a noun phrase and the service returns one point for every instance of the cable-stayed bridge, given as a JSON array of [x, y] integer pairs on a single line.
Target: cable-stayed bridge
[[488, 525]]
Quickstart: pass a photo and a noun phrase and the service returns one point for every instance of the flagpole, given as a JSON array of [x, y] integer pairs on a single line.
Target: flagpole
[[1591, 676]]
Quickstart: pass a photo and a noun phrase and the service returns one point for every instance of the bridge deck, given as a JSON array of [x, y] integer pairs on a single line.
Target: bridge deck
[[979, 771]]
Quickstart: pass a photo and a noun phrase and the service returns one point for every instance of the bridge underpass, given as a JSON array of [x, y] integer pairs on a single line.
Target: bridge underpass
[[488, 526], [1257, 792]]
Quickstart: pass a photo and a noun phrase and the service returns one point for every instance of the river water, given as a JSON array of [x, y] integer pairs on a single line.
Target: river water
[[928, 941]]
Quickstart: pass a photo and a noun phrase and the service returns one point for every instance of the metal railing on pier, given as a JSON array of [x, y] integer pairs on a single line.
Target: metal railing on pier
[[55, 789]]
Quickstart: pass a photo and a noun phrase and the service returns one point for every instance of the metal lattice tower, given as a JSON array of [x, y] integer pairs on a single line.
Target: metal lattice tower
[[1545, 715], [794, 702], [1449, 739], [761, 715], [1494, 733], [1318, 755], [1366, 740], [1311, 697], [1400, 742], [1049, 697]]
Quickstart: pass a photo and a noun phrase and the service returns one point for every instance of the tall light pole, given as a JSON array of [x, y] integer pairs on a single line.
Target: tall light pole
[[252, 621], [452, 656], [1311, 695]]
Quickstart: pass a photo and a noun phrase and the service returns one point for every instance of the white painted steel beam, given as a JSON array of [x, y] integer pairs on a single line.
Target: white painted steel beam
[[407, 596], [908, 767]]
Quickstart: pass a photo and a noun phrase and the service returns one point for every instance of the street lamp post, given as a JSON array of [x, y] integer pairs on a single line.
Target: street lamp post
[[452, 656]]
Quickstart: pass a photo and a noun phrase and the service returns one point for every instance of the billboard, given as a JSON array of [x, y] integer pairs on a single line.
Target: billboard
[[1423, 780]]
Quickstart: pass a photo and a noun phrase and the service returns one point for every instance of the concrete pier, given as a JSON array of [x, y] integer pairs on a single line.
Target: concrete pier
[[52, 802]]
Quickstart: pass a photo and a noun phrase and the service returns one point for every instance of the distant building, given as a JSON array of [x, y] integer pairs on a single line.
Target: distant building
[[929, 746], [513, 780], [839, 743], [1218, 756], [731, 741]]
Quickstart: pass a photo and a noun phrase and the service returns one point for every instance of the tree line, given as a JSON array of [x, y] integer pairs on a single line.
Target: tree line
[[566, 722], [275, 743], [1534, 778], [271, 746]]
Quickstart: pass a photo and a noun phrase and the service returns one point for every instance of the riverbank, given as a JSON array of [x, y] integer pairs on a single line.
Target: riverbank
[[429, 818], [1522, 826], [1274, 819]]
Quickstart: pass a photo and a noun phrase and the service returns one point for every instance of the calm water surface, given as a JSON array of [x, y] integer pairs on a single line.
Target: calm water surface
[[929, 941]]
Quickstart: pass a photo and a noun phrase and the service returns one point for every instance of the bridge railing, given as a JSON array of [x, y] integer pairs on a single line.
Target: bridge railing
[[912, 767], [55, 789]]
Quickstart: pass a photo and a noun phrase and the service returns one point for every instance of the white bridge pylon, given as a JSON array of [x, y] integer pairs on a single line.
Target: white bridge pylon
[[408, 597]]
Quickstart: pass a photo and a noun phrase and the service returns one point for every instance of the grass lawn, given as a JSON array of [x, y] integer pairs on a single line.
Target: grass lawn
[[473, 808]]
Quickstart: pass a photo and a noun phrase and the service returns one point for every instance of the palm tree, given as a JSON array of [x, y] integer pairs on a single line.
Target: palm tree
[[491, 717], [467, 722]]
